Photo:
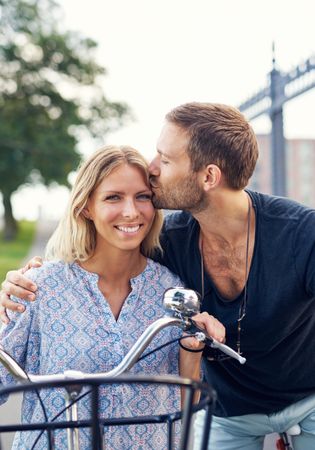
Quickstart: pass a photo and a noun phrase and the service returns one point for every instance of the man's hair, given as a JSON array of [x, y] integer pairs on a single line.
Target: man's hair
[[75, 236], [220, 135]]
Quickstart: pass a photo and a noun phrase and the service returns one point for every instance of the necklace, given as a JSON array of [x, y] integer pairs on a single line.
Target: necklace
[[243, 304]]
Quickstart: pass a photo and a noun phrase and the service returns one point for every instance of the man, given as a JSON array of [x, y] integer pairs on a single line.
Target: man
[[252, 258]]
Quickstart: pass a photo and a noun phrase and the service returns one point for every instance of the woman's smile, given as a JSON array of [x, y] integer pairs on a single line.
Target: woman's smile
[[121, 209], [129, 229]]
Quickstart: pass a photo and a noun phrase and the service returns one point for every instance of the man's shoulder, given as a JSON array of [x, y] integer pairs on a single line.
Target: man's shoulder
[[179, 238], [274, 207]]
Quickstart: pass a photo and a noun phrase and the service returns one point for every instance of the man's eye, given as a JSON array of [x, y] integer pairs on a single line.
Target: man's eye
[[163, 161]]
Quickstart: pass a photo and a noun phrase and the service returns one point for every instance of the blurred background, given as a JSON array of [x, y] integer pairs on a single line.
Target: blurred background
[[77, 75], [155, 55]]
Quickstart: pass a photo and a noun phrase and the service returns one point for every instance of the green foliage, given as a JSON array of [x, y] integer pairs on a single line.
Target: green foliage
[[12, 253], [49, 96]]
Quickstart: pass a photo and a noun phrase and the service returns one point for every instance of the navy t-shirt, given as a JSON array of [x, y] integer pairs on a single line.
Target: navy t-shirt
[[278, 331]]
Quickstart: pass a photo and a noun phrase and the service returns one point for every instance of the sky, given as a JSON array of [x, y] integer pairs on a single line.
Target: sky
[[161, 53]]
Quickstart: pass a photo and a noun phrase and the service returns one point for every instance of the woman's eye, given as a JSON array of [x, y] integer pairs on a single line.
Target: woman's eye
[[163, 161], [144, 197], [112, 197]]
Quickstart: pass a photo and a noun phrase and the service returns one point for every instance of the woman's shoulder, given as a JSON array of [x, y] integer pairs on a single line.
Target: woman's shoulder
[[165, 276], [49, 269], [50, 274]]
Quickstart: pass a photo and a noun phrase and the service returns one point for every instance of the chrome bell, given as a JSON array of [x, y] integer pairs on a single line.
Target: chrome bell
[[181, 301]]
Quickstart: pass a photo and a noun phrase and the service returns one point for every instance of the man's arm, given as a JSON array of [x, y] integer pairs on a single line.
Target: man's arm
[[190, 359], [20, 286], [189, 367]]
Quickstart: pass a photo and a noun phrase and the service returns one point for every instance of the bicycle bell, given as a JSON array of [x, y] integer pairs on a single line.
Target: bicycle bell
[[182, 302]]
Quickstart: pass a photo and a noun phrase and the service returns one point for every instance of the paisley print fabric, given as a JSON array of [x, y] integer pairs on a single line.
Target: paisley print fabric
[[71, 326]]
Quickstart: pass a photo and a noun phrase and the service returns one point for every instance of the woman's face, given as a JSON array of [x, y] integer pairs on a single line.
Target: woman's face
[[121, 209]]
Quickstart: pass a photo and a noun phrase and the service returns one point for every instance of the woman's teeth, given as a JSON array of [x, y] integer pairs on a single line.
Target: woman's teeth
[[129, 229]]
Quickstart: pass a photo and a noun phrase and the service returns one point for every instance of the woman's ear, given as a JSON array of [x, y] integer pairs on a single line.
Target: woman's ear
[[86, 213], [211, 177]]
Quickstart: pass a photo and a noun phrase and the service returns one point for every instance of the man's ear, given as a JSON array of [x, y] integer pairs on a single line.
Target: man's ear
[[212, 176]]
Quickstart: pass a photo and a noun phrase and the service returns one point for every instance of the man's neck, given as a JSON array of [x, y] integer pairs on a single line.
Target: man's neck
[[225, 217]]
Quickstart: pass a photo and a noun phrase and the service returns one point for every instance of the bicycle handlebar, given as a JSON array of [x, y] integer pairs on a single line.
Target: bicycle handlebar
[[128, 361], [180, 303]]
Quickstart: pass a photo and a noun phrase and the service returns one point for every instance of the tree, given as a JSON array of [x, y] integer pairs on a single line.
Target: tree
[[49, 98]]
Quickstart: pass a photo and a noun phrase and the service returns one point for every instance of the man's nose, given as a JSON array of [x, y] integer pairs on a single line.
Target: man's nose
[[154, 166]]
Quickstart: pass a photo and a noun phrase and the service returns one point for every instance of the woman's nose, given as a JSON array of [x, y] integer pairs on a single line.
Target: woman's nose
[[130, 209]]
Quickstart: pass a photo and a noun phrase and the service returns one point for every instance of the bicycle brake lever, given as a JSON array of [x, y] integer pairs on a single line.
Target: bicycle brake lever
[[193, 328]]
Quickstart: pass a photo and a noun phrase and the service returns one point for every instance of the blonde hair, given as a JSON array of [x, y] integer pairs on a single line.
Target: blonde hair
[[75, 237]]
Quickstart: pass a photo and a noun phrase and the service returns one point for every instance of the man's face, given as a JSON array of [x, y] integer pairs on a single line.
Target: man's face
[[174, 184]]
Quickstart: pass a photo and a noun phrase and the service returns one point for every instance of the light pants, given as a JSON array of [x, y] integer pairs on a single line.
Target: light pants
[[248, 432]]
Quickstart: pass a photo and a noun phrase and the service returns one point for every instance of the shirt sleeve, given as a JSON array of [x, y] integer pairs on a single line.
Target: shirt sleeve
[[304, 251]]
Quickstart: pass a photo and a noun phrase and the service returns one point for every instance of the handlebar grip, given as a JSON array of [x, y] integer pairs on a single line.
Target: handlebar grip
[[192, 328]]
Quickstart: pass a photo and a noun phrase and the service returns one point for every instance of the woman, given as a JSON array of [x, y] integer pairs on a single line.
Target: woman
[[96, 295]]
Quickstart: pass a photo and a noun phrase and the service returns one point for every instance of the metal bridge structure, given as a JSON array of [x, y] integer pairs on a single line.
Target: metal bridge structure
[[281, 88]]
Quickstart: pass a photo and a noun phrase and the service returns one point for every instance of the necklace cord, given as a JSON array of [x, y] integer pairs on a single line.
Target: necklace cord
[[242, 308]]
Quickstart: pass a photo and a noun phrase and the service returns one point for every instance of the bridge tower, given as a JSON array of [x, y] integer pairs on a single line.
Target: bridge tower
[[281, 88]]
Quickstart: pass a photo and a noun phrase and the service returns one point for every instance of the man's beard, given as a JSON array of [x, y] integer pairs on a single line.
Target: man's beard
[[185, 195]]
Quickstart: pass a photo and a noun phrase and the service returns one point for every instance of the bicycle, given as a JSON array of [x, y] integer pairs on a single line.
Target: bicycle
[[180, 305], [284, 441]]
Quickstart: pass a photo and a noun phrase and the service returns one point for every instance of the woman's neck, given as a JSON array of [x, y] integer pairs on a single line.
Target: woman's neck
[[116, 266]]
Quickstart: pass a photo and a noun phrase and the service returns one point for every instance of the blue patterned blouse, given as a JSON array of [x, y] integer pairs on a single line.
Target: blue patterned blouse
[[71, 326]]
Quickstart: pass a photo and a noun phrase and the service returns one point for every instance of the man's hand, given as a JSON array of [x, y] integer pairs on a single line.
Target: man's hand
[[189, 361], [18, 285], [211, 325]]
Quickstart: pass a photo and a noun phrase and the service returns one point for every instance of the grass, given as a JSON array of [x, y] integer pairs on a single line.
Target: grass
[[12, 253]]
